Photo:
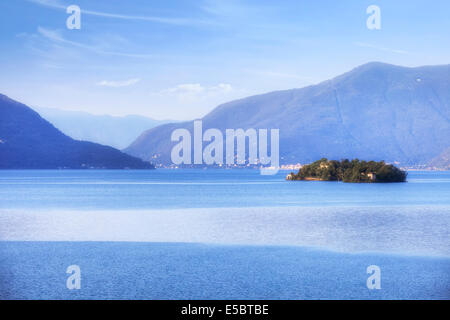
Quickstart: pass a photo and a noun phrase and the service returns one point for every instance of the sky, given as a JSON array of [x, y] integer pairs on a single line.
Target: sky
[[180, 59]]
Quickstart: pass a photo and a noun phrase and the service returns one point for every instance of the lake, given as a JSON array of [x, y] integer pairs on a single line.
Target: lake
[[221, 234]]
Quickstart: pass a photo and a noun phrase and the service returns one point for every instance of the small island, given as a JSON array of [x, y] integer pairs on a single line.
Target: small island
[[355, 171]]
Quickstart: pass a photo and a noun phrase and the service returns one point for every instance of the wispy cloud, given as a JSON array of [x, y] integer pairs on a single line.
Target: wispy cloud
[[196, 88], [118, 84], [380, 48], [196, 97], [55, 4], [55, 36]]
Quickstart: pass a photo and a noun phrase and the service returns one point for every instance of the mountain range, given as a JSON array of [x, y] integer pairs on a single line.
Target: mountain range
[[117, 132], [27, 141], [376, 111]]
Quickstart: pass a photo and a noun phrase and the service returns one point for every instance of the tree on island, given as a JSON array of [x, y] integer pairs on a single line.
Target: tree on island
[[350, 171]]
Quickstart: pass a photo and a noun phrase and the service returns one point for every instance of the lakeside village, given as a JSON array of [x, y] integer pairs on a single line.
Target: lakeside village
[[284, 167], [355, 171]]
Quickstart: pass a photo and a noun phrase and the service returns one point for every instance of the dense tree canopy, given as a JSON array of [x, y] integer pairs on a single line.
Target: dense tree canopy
[[350, 171]]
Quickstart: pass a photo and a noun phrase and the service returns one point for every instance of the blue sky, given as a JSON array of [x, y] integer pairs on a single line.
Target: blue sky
[[180, 59]]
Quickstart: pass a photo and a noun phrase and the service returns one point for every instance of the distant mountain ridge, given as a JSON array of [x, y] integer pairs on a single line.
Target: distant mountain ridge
[[114, 131], [376, 112], [442, 161], [27, 141]]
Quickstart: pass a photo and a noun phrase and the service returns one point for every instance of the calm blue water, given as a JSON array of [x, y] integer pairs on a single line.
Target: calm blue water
[[221, 234], [117, 270], [212, 188]]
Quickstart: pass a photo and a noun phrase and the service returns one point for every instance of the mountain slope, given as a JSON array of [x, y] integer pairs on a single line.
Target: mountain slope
[[442, 161], [117, 132], [27, 141], [376, 111]]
